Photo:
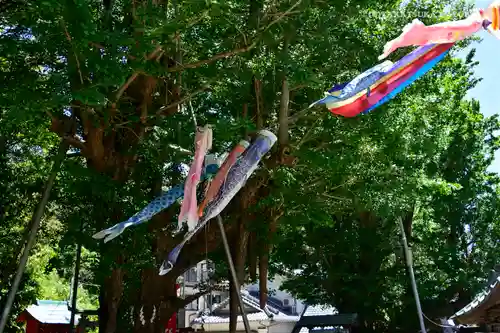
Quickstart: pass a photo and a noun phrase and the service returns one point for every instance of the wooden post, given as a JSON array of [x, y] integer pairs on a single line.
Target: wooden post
[[76, 275]]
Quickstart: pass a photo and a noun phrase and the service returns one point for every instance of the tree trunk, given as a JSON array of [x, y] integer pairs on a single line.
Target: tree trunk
[[110, 150], [154, 308]]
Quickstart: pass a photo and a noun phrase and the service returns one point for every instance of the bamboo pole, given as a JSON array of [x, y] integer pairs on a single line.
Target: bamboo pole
[[35, 225]]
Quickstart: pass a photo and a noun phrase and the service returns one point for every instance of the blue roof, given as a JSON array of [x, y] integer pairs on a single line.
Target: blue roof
[[51, 312]]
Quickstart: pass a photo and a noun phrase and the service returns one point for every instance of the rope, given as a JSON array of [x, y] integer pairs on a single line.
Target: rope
[[439, 325], [193, 116], [195, 123], [208, 277]]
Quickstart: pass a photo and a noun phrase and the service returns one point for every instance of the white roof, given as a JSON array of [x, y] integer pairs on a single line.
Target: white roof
[[321, 329], [51, 312], [319, 310], [479, 299], [260, 315], [257, 316]]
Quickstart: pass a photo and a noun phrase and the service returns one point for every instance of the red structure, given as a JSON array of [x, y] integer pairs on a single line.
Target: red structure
[[172, 322], [47, 317], [54, 316]]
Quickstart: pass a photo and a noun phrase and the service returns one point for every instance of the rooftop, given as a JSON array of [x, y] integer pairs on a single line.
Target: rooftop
[[319, 310], [51, 312], [257, 316], [269, 313], [324, 319], [482, 300]]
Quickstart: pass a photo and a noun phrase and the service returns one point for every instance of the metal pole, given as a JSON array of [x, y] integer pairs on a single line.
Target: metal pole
[[233, 273], [409, 261], [35, 224], [74, 293]]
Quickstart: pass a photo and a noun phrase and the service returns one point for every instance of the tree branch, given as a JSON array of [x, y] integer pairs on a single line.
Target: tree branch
[[297, 115], [216, 57], [282, 15], [182, 302], [75, 142], [306, 136], [244, 49], [184, 99], [134, 75], [70, 40], [126, 84]]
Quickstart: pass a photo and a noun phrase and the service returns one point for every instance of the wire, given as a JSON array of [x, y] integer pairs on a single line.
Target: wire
[[192, 114], [208, 272], [439, 325]]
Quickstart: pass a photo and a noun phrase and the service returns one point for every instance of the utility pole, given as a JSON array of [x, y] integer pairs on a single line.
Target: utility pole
[[409, 263], [236, 284], [35, 225], [76, 275]]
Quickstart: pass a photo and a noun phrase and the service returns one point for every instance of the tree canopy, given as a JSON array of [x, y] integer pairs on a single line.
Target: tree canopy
[[115, 80]]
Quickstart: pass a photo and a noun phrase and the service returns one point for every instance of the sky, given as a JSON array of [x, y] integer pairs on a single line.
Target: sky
[[488, 54]]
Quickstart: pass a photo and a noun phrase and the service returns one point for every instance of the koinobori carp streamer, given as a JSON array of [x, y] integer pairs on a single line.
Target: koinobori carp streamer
[[235, 180]]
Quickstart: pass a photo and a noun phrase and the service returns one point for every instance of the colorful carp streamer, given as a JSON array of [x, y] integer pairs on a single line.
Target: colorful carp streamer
[[154, 207], [418, 34], [235, 180], [220, 177], [383, 82], [189, 208]]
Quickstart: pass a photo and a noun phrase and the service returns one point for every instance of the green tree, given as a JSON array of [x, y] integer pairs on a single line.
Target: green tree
[[119, 74], [423, 159]]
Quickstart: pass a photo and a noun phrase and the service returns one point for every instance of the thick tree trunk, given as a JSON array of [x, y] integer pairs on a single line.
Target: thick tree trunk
[[252, 256], [113, 294], [369, 266], [107, 149], [154, 308]]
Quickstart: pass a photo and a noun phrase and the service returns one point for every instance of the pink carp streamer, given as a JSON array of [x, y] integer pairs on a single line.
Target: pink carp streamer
[[418, 34], [220, 177], [189, 208]]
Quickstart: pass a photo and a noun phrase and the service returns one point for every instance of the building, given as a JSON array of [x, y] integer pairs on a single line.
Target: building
[[212, 310], [198, 274], [189, 286], [325, 319], [278, 299], [268, 320], [483, 313], [283, 313], [47, 317]]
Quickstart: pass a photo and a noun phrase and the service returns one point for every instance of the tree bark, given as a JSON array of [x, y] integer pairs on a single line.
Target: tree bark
[[259, 117]]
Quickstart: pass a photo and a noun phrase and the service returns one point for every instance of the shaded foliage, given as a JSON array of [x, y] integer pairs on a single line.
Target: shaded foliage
[[124, 75]]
